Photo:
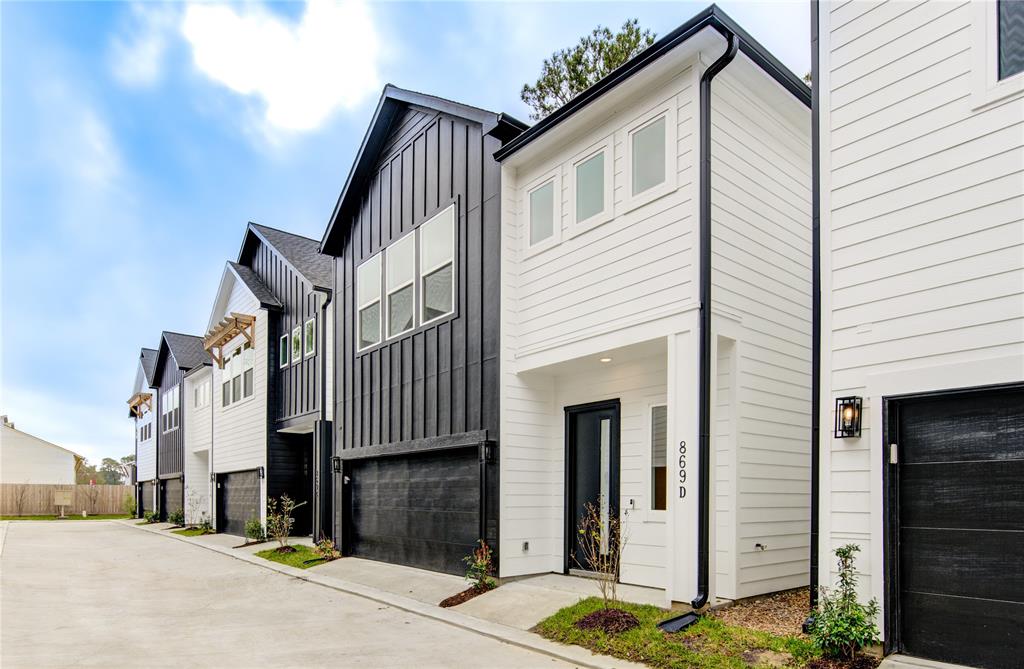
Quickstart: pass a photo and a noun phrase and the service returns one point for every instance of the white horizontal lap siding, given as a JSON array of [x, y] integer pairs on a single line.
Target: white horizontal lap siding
[[922, 231], [240, 429], [28, 459], [761, 275], [638, 263], [198, 438], [145, 460]]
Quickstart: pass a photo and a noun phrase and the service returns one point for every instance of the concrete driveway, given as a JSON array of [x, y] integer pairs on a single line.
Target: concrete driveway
[[101, 593]]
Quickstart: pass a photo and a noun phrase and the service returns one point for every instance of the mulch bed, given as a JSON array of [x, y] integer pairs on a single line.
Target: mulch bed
[[285, 549], [610, 621], [858, 662], [782, 614], [464, 596]]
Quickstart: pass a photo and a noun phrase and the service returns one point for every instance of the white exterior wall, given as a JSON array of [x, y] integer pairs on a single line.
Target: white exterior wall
[[761, 292], [28, 459], [922, 203], [632, 281], [145, 459], [240, 430], [198, 438]]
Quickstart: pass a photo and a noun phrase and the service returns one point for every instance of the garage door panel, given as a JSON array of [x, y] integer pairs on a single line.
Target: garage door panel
[[171, 497], [420, 510], [964, 563], [146, 501], [962, 428], [238, 501], [974, 632], [982, 495]]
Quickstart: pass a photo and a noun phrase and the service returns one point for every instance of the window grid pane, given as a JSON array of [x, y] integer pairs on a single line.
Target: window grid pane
[[590, 187], [648, 156], [437, 293], [400, 311], [542, 213], [369, 325], [659, 457], [1011, 38]]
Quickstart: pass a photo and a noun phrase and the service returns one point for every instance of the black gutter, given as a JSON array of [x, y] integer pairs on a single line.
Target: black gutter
[[703, 464], [815, 304], [711, 17]]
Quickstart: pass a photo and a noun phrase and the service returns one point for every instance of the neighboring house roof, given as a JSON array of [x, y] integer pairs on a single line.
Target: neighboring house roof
[[712, 17], [43, 442], [148, 358], [256, 286], [302, 253], [392, 101], [187, 350]]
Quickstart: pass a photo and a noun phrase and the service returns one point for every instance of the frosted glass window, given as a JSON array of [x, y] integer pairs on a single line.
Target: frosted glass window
[[1011, 38], [659, 457], [437, 265], [606, 474], [648, 150], [542, 213], [401, 270], [590, 187], [368, 295]]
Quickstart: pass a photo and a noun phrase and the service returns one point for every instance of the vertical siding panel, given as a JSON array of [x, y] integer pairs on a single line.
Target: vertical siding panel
[[430, 383], [474, 302], [430, 174], [406, 389], [407, 189], [444, 378], [444, 153]]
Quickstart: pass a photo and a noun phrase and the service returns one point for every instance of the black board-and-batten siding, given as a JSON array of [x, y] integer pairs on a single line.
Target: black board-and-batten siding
[[440, 379], [170, 445]]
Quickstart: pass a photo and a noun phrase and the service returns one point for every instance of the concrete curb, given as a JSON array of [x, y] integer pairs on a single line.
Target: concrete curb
[[579, 656]]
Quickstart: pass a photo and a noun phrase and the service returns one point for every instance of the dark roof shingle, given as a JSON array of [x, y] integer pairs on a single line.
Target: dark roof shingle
[[148, 359], [255, 285], [302, 253], [187, 350]]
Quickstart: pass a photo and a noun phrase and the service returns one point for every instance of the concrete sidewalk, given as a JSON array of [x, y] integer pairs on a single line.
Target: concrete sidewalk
[[416, 591]]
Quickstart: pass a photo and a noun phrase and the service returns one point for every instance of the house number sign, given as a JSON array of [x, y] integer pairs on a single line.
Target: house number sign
[[682, 469]]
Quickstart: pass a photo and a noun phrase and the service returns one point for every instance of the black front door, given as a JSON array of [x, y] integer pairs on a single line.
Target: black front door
[[956, 526], [591, 471]]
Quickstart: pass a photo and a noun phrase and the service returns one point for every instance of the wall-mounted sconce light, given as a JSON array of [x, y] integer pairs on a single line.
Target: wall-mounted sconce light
[[336, 464], [213, 477], [262, 473], [848, 411]]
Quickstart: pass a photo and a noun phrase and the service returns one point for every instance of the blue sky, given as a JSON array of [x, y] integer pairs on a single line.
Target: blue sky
[[136, 140]]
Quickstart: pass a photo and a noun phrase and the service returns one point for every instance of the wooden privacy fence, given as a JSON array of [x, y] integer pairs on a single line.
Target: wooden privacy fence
[[37, 499]]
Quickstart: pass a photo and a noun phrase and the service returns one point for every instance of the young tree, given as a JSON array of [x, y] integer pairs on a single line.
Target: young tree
[[570, 71], [601, 542]]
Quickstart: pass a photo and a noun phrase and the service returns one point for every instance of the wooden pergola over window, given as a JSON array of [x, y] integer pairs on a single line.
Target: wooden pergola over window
[[225, 331], [140, 403]]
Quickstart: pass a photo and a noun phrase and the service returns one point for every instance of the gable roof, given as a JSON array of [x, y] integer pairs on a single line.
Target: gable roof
[[302, 253], [256, 286], [147, 356], [712, 17], [392, 101], [187, 351]]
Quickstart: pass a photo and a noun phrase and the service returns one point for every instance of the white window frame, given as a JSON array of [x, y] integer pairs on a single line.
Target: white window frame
[[421, 271], [284, 341], [170, 397], [227, 376], [650, 514], [666, 109], [379, 299], [297, 353], [554, 176], [606, 214], [385, 307], [986, 87], [309, 348]]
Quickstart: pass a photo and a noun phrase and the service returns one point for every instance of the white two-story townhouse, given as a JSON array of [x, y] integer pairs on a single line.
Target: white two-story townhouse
[[656, 321], [142, 411], [919, 116], [269, 337], [197, 403]]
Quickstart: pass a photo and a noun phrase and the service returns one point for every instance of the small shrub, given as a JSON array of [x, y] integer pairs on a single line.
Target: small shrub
[[842, 625], [151, 517], [327, 549], [128, 504], [280, 520], [602, 545], [205, 525], [176, 517], [480, 567], [254, 530]]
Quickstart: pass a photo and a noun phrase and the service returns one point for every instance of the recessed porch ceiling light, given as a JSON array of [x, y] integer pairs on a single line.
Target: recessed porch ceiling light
[[606, 359]]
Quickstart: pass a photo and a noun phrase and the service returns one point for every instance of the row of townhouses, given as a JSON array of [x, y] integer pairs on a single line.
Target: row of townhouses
[[752, 322]]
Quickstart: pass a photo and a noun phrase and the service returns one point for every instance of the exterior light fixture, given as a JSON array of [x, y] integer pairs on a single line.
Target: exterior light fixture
[[336, 464], [848, 412], [262, 473], [606, 359], [213, 477]]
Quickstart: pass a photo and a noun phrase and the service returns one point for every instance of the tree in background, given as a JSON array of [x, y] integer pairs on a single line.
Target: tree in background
[[86, 473], [571, 71], [110, 471]]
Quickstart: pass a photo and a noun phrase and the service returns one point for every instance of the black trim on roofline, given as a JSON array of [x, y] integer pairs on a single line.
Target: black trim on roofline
[[712, 17]]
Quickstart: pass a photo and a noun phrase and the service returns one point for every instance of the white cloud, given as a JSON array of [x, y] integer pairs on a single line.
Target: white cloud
[[137, 53], [301, 72]]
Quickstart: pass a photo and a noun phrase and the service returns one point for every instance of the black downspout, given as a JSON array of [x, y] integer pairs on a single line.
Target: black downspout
[[322, 459], [815, 306], [703, 486]]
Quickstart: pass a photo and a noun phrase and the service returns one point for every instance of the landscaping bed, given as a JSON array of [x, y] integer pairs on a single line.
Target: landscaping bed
[[781, 613], [708, 644], [99, 516], [302, 557], [192, 531], [464, 596]]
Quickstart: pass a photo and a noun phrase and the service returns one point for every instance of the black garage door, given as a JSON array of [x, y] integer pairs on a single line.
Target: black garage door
[[238, 501], [960, 487], [146, 498], [419, 510], [171, 497]]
